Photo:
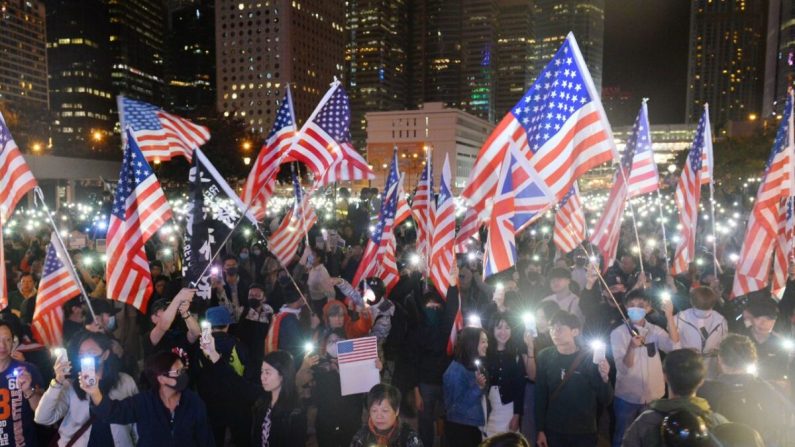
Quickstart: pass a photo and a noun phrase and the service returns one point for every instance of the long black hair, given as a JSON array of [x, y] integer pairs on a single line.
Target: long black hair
[[466, 346], [283, 363], [110, 366], [511, 346]]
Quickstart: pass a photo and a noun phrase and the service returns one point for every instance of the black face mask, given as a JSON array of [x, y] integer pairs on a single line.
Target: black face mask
[[182, 382], [231, 271]]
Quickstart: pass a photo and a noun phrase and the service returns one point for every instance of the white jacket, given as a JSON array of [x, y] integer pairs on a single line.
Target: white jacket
[[62, 402]]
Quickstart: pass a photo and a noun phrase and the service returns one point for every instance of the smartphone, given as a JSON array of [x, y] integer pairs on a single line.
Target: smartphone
[[89, 370], [206, 331]]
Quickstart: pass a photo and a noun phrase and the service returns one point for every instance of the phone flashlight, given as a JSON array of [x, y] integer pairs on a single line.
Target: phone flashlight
[[599, 349], [206, 328], [530, 323], [474, 321], [88, 368], [665, 296], [309, 347]]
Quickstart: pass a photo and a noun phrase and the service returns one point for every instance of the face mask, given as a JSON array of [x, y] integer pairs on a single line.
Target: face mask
[[254, 303], [244, 256], [310, 259], [111, 324], [331, 350], [636, 314], [432, 316], [257, 252], [231, 271], [182, 382]]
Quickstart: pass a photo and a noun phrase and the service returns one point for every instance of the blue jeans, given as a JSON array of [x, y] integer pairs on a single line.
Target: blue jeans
[[426, 419], [529, 416], [625, 414]]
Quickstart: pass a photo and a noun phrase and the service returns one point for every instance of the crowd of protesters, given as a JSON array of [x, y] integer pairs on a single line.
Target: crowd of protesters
[[681, 363]]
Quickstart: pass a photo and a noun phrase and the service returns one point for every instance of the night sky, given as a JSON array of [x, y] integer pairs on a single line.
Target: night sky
[[645, 53]]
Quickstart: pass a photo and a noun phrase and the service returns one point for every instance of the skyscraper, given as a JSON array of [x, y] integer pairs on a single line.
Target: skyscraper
[[23, 76], [515, 57], [263, 45], [137, 32], [375, 59], [478, 43], [81, 99], [726, 59], [779, 55], [554, 19]]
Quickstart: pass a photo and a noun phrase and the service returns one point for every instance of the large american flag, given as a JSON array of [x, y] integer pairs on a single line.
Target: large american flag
[[468, 230], [643, 177], [379, 257], [261, 181], [688, 195], [784, 248], [357, 350], [56, 287], [284, 242], [16, 180], [324, 142], [559, 127], [139, 209], [501, 243], [160, 135], [443, 247], [764, 224], [423, 208], [569, 222]]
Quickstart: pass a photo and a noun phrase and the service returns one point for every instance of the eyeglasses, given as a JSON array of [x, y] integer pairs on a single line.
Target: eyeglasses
[[176, 373]]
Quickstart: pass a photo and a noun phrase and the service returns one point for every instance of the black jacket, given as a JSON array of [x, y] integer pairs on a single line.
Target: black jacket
[[429, 352]]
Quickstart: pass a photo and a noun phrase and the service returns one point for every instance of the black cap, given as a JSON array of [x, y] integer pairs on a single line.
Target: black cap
[[158, 306]]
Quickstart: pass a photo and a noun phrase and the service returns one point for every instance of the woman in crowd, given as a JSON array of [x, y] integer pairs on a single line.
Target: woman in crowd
[[463, 385], [384, 427], [506, 373], [168, 414], [65, 402]]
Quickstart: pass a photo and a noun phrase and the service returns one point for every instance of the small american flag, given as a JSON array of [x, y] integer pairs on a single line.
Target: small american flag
[[160, 135], [569, 222], [139, 209], [284, 242], [324, 142], [261, 180], [357, 350], [559, 128], [56, 287], [643, 177], [423, 208], [688, 195], [443, 250], [403, 210], [765, 222]]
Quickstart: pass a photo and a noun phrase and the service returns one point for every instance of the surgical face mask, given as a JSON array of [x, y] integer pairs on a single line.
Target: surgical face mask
[[310, 259], [244, 255], [331, 350], [111, 324], [636, 314]]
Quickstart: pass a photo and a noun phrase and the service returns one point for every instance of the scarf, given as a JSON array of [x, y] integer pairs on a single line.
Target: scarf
[[382, 440], [272, 340], [266, 428]]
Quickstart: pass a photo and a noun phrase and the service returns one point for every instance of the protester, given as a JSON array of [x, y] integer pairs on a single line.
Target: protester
[[166, 334], [464, 385], [252, 327], [774, 359], [506, 376], [702, 328], [384, 427], [20, 391], [559, 282], [23, 300]]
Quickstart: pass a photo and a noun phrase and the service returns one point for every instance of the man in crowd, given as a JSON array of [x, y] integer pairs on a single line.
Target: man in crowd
[[166, 334], [252, 327], [774, 358], [701, 328], [559, 282], [23, 300]]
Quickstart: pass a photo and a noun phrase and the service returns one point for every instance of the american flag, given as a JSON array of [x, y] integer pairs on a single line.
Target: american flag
[[284, 242], [559, 127], [160, 135], [442, 251], [379, 256], [688, 195], [403, 210], [139, 209], [261, 180], [784, 249], [501, 244], [423, 208], [468, 230], [569, 222], [324, 142], [357, 350], [56, 287], [753, 266], [458, 324], [16, 180], [643, 177]]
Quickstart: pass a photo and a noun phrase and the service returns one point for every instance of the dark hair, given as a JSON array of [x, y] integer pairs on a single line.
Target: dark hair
[[637, 294], [684, 371], [494, 321], [382, 392], [10, 325], [703, 298], [568, 319], [560, 272], [228, 257], [158, 365], [507, 439], [550, 308], [466, 347], [736, 351], [283, 363], [24, 274], [762, 307], [110, 367]]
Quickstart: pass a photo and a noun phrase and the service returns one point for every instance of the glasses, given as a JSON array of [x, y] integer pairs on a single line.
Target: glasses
[[176, 373]]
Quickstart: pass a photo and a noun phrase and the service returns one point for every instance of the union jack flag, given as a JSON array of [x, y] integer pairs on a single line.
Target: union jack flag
[[643, 177], [765, 222], [501, 244], [139, 209], [58, 284], [284, 242], [160, 135], [688, 194], [261, 181], [569, 222], [423, 208], [442, 251], [558, 127]]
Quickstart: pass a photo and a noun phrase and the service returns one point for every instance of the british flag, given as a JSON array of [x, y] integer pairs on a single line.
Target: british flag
[[58, 284], [139, 209], [324, 142], [559, 127], [764, 224], [442, 250], [569, 222], [284, 242], [501, 244], [160, 135], [261, 181], [688, 195], [468, 230], [643, 177], [423, 208]]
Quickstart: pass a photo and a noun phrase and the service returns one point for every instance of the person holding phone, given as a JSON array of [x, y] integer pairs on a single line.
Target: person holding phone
[[464, 385], [20, 392], [165, 335]]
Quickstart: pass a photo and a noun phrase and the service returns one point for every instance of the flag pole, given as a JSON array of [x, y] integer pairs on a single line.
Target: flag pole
[[429, 169], [37, 190], [662, 227], [715, 266], [303, 298], [632, 214], [301, 205]]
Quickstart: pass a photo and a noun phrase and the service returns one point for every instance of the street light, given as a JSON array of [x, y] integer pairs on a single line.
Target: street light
[[96, 135], [246, 161], [36, 147], [246, 145]]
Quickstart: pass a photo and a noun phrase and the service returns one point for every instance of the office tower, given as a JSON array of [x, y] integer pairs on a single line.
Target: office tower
[[515, 58], [190, 61]]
